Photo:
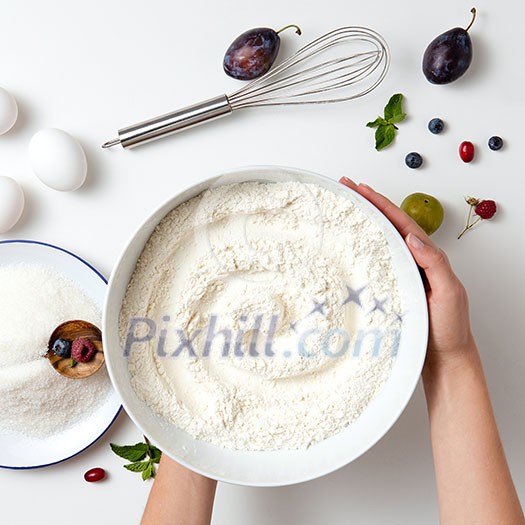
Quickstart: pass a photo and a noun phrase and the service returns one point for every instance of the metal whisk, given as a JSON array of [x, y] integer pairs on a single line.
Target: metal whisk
[[359, 62]]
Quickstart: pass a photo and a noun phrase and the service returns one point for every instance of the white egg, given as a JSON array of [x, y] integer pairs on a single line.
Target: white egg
[[8, 111], [58, 159], [11, 203]]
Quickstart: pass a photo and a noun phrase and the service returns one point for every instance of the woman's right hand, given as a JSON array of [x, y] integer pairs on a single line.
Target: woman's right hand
[[450, 333], [473, 480]]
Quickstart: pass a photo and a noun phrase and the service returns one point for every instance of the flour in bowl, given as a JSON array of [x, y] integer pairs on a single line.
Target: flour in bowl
[[262, 316]]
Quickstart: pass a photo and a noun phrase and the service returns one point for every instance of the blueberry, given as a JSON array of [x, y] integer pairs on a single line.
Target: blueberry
[[436, 126], [414, 160], [62, 347], [495, 143]]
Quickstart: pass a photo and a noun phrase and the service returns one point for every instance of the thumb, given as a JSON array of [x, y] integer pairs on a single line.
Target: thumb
[[432, 260]]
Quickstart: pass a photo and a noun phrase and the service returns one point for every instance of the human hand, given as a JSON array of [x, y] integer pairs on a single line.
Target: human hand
[[179, 495], [450, 336]]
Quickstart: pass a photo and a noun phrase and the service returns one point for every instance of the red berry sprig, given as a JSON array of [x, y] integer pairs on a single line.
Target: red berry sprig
[[484, 209]]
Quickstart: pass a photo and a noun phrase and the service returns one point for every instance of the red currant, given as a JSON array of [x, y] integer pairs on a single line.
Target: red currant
[[95, 474], [466, 151]]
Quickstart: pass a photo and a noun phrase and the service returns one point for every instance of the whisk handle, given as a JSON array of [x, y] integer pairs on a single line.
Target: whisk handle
[[173, 122]]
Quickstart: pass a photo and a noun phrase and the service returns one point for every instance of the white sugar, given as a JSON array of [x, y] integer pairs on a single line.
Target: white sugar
[[34, 399]]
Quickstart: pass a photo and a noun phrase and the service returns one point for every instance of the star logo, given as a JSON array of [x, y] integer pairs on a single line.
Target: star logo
[[399, 317], [379, 305], [354, 295], [318, 307]]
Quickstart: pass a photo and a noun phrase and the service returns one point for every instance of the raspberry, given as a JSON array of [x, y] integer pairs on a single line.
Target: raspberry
[[83, 350], [485, 209]]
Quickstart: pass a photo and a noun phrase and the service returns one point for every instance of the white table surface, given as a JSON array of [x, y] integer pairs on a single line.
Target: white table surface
[[91, 67]]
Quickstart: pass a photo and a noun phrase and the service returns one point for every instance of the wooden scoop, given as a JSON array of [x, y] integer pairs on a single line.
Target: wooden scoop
[[72, 330]]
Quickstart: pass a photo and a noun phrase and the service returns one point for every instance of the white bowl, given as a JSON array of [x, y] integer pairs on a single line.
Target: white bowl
[[276, 468]]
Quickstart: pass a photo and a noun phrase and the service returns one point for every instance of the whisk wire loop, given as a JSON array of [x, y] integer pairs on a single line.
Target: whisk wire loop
[[288, 85]]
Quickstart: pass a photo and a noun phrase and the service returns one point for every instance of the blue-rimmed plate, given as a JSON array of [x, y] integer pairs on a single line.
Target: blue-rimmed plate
[[19, 452]]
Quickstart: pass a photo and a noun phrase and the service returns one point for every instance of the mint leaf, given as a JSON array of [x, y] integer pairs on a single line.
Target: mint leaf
[[154, 453], [393, 109], [397, 118], [130, 452], [377, 122], [386, 127], [139, 466], [149, 472], [73, 363], [136, 453], [384, 136]]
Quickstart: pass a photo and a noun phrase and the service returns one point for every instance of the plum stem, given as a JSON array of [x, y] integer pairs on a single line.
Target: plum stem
[[297, 29], [473, 11]]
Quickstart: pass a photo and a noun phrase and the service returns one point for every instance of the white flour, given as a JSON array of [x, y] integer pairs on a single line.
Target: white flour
[[235, 259], [34, 399]]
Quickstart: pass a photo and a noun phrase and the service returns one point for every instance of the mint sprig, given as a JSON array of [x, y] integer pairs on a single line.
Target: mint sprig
[[386, 126], [143, 457], [130, 452]]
